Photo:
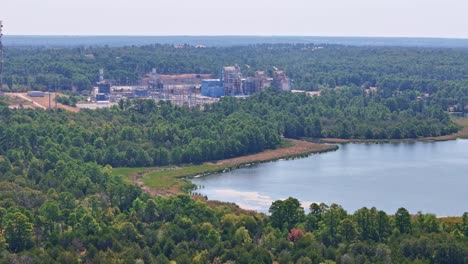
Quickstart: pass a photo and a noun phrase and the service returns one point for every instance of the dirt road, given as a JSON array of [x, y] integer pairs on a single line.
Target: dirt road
[[43, 102], [24, 97]]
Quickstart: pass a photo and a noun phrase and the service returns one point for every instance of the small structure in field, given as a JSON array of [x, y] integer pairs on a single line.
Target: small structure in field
[[36, 94]]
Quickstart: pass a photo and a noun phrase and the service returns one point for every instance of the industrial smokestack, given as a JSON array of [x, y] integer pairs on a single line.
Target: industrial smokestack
[[101, 75], [154, 75]]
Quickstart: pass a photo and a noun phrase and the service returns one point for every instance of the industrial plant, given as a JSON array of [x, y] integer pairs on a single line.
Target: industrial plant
[[190, 89], [180, 89], [231, 83]]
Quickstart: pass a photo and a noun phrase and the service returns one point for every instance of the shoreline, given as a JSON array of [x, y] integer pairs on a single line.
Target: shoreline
[[297, 149], [463, 134], [381, 141], [181, 175], [175, 179]]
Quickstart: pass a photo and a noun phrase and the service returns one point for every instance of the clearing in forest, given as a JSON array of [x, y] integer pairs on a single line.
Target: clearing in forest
[[17, 99]]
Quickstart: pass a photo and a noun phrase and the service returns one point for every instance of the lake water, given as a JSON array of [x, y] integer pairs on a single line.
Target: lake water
[[431, 177]]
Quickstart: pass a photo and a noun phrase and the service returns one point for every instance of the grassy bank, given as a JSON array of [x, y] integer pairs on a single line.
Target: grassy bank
[[127, 173], [172, 179]]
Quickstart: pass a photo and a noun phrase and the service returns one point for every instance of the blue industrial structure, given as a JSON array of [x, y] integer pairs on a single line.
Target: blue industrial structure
[[231, 83], [101, 97], [104, 87], [140, 92], [212, 88]]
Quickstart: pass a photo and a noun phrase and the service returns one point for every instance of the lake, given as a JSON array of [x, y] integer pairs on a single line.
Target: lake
[[431, 177]]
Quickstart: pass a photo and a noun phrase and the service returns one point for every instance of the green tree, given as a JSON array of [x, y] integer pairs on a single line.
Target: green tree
[[51, 214], [465, 224], [3, 243], [89, 226], [348, 230], [383, 226], [150, 211], [287, 213], [18, 231], [366, 223], [403, 221], [242, 236], [331, 224]]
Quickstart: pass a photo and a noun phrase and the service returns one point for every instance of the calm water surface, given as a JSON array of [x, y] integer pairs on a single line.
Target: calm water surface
[[423, 176]]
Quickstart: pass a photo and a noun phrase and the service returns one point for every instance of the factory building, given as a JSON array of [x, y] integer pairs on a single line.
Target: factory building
[[212, 88], [231, 83], [262, 81], [248, 85], [232, 80], [155, 83], [104, 87], [101, 97], [140, 92], [281, 81]]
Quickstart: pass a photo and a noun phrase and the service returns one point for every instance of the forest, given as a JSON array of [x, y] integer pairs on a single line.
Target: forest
[[344, 113], [440, 72], [60, 203], [139, 133]]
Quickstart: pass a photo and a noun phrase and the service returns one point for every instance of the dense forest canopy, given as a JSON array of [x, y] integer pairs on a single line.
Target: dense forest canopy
[[57, 205], [60, 202], [344, 113], [146, 133], [442, 73]]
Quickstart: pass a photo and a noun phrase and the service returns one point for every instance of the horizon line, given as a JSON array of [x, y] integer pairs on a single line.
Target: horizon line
[[234, 35]]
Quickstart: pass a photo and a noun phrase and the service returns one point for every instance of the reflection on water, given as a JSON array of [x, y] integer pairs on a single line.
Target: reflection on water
[[427, 176]]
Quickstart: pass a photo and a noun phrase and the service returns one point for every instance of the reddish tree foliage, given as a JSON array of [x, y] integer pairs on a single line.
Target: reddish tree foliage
[[295, 234]]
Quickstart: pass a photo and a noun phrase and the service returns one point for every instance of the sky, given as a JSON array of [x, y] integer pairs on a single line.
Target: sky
[[373, 18]]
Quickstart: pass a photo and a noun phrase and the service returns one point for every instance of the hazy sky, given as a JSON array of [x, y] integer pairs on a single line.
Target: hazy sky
[[389, 18]]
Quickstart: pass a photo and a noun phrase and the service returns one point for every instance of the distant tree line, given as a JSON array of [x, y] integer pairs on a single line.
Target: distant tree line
[[344, 113], [436, 71]]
